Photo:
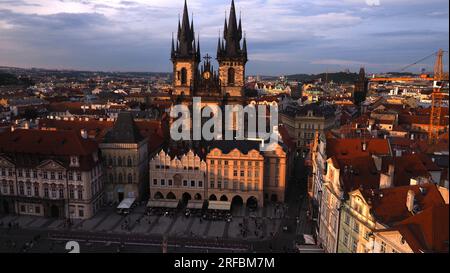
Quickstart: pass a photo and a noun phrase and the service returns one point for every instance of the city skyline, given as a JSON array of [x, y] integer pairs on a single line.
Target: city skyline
[[296, 36]]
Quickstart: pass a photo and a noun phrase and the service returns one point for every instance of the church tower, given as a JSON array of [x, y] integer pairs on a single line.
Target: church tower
[[185, 55], [232, 57]]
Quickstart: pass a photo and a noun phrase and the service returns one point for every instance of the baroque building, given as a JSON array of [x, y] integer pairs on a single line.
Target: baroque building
[[50, 173]]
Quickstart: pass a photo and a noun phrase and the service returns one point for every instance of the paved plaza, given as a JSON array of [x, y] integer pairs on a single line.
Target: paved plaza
[[261, 224]]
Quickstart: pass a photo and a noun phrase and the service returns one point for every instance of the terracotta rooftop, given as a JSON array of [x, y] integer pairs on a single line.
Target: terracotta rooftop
[[389, 205], [353, 148]]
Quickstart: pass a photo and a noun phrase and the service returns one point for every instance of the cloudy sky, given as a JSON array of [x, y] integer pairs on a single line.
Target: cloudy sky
[[284, 36]]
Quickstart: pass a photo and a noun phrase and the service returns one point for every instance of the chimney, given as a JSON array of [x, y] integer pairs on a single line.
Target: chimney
[[378, 161], [410, 201], [387, 180], [84, 133]]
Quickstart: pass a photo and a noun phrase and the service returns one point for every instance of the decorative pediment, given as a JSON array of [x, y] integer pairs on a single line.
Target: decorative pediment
[[51, 165]]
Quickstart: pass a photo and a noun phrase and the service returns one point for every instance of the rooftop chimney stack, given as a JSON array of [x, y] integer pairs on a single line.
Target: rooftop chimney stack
[[410, 201]]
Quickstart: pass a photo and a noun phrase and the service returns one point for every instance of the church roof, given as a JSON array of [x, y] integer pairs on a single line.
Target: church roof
[[124, 130]]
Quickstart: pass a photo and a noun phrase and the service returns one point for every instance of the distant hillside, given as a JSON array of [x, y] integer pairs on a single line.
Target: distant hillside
[[10, 79], [339, 77]]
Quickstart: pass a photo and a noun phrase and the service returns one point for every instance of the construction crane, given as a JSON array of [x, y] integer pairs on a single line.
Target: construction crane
[[436, 98]]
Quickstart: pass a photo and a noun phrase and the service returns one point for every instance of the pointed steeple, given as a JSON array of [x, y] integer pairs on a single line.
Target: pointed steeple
[[240, 28], [198, 47], [225, 26], [186, 46], [172, 51]]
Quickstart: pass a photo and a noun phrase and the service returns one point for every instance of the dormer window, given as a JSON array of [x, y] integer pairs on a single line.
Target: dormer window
[[74, 161]]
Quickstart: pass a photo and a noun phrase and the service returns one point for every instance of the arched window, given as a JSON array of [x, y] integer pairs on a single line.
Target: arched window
[[129, 162], [183, 76], [130, 178], [119, 161], [231, 76]]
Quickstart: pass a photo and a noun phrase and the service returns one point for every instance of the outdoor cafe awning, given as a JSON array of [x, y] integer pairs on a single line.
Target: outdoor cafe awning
[[219, 205], [126, 203], [170, 204], [193, 204]]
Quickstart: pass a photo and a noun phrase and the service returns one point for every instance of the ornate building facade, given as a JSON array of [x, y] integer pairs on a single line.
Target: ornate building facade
[[50, 173]]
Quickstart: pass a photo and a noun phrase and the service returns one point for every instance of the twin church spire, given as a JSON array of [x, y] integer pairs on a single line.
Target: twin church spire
[[186, 46], [230, 45]]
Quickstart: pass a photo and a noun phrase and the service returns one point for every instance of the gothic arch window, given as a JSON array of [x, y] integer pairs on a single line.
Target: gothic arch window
[[231, 76], [119, 161], [183, 76], [130, 178], [129, 161]]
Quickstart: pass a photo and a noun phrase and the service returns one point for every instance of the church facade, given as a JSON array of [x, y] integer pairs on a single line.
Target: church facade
[[193, 77]]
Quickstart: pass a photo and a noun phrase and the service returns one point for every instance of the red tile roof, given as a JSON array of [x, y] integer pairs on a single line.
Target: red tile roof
[[427, 231], [353, 148], [389, 205]]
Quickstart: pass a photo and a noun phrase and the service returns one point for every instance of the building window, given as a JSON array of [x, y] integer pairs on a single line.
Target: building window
[[130, 178], [170, 182], [71, 193], [53, 191], [21, 189], [183, 76], [219, 184], [61, 193], [163, 182], [242, 174], [37, 210], [347, 219], [46, 193], [29, 190], [34, 174], [235, 173], [155, 182], [4, 172], [52, 175], [256, 173], [70, 175], [200, 184], [192, 183], [78, 176], [10, 172], [60, 175], [345, 242], [27, 173], [235, 185], [225, 184], [356, 227], [129, 162], [22, 208], [4, 188], [231, 75], [45, 175], [354, 246], [383, 247], [80, 194], [119, 161], [185, 183], [11, 189], [19, 173], [81, 212]]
